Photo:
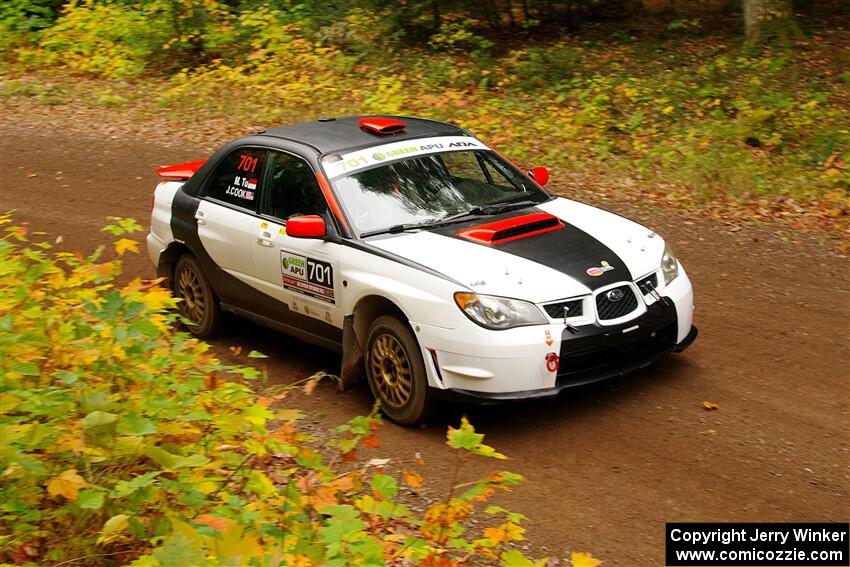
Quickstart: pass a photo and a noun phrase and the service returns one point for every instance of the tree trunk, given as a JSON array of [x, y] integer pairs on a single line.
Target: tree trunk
[[435, 14], [769, 19], [510, 7]]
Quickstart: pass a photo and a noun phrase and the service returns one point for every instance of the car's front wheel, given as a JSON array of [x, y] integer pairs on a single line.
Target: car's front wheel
[[198, 303], [396, 371]]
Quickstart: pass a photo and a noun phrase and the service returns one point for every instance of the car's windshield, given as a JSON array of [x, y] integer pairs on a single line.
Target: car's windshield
[[431, 187]]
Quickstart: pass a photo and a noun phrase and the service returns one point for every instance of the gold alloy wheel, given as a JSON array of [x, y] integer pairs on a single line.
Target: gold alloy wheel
[[391, 371], [190, 290]]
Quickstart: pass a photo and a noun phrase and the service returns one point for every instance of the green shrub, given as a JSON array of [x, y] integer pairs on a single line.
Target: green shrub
[[20, 20], [458, 36], [103, 38], [124, 442]]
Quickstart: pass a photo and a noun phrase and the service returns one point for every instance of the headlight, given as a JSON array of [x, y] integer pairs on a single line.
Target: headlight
[[669, 265], [499, 312]]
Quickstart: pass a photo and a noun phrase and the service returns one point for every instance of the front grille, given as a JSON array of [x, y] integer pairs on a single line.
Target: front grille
[[583, 361], [556, 310], [607, 309], [648, 284]]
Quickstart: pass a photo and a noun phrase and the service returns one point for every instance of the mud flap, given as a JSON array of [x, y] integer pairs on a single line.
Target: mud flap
[[352, 356]]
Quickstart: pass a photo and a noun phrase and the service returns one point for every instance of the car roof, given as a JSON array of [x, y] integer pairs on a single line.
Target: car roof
[[328, 135]]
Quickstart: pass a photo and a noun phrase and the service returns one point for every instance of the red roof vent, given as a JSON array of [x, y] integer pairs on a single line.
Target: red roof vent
[[182, 171], [513, 228], [381, 126]]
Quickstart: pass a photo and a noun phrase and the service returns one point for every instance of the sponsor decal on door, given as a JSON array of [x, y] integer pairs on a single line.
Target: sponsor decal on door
[[307, 276]]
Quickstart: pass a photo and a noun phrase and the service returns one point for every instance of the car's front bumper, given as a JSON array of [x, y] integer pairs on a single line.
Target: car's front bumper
[[586, 377], [494, 366]]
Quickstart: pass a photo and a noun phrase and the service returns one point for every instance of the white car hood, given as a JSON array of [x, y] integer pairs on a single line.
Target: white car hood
[[505, 271]]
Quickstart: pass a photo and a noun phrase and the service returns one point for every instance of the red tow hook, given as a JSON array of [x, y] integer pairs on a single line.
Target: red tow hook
[[552, 361]]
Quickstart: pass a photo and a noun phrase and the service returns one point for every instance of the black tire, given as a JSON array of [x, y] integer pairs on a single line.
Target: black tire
[[199, 304], [393, 360]]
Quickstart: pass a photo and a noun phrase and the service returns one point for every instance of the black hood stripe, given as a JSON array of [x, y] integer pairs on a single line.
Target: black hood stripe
[[570, 251]]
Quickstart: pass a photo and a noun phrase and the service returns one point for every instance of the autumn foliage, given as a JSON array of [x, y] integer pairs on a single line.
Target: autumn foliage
[[679, 114], [125, 442]]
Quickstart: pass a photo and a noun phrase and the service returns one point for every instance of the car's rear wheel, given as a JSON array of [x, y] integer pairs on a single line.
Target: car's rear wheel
[[396, 371], [199, 305]]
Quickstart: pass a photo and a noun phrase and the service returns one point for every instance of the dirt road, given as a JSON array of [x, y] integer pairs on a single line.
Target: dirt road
[[607, 466]]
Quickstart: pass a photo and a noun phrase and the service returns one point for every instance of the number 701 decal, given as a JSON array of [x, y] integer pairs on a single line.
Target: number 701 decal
[[307, 276]]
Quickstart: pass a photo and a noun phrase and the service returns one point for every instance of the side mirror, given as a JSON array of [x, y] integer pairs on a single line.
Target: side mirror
[[540, 175], [306, 226]]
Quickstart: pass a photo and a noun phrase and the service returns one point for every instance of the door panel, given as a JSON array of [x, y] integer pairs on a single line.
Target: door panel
[[302, 272], [226, 235]]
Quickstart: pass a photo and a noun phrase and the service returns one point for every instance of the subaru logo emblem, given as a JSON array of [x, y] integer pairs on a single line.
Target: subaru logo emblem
[[615, 295]]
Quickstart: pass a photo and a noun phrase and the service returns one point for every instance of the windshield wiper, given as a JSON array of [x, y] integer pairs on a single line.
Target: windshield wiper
[[404, 227], [481, 210], [493, 209]]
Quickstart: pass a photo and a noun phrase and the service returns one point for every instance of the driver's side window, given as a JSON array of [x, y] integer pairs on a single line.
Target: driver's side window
[[291, 188]]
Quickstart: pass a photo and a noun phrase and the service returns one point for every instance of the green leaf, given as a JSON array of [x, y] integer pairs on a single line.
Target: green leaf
[[341, 512], [515, 517], [178, 550], [257, 414], [384, 486], [466, 438], [161, 457], [90, 499], [127, 487], [98, 419], [344, 522], [99, 428], [191, 461], [256, 354], [135, 424], [515, 558], [145, 561]]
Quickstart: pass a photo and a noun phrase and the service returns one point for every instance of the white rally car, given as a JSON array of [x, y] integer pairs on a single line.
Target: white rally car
[[435, 265]]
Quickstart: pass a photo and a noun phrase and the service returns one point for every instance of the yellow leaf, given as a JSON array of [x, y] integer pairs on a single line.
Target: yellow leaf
[[113, 526], [136, 284], [125, 244], [514, 531], [580, 559], [710, 406], [66, 442], [157, 298], [235, 543], [413, 480], [496, 535], [67, 485], [206, 486]]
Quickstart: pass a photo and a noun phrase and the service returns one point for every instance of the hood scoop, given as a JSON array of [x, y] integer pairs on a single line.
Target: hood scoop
[[513, 228]]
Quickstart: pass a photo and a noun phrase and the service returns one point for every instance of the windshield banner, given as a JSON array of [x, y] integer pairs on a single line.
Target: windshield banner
[[374, 155]]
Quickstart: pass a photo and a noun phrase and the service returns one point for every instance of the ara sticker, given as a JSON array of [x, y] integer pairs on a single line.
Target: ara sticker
[[307, 276], [599, 270]]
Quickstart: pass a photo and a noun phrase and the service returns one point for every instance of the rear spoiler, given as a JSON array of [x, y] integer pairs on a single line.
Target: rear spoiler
[[180, 172]]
